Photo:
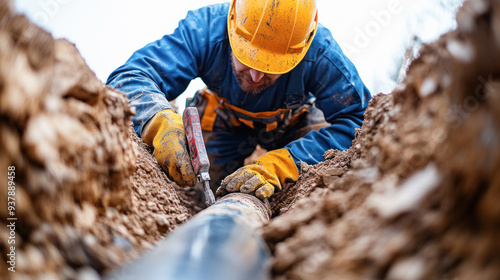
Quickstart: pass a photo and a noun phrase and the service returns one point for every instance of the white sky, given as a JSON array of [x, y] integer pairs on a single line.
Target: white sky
[[373, 33]]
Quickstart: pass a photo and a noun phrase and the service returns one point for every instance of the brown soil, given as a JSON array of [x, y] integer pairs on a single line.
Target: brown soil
[[414, 198], [88, 197]]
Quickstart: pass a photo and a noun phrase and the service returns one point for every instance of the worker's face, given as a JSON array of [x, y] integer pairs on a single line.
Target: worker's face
[[251, 80]]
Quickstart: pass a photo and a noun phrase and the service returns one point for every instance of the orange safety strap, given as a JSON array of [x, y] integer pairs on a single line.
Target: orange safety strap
[[270, 118], [208, 119]]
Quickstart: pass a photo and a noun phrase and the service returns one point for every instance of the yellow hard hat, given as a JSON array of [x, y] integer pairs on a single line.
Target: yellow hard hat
[[271, 36]]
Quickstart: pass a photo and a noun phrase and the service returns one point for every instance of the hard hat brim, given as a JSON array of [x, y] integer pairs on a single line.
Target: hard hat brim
[[262, 60]]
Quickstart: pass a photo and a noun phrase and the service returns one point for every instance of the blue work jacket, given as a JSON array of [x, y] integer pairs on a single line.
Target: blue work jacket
[[199, 47]]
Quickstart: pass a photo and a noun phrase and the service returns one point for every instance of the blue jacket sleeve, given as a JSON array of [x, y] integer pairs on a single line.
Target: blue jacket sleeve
[[162, 70], [343, 98]]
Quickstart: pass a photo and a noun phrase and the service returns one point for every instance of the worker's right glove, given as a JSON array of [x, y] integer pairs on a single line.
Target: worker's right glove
[[165, 132], [267, 175]]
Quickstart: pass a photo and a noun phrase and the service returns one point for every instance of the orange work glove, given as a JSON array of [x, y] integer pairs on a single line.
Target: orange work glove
[[263, 178], [165, 132]]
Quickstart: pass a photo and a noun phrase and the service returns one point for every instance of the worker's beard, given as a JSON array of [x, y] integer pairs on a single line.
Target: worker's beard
[[244, 80]]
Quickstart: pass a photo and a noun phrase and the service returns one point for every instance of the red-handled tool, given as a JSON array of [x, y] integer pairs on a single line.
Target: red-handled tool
[[197, 151]]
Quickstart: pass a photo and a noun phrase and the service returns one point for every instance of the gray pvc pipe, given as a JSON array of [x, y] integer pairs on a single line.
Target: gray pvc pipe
[[221, 242]]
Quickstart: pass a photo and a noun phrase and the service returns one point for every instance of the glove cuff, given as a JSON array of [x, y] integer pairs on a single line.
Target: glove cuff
[[281, 164]]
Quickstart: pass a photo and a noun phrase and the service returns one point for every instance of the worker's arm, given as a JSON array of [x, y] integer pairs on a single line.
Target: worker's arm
[[275, 168], [162, 70], [343, 98]]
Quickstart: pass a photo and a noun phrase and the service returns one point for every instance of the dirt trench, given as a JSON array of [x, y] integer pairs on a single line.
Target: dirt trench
[[414, 198]]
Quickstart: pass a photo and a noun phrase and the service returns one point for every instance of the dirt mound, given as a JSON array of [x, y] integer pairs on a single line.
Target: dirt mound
[[78, 195], [416, 195]]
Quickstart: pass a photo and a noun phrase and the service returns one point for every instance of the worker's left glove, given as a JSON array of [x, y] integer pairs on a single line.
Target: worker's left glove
[[263, 178]]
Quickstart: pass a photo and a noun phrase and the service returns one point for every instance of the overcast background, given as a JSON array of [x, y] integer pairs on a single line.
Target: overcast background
[[373, 33]]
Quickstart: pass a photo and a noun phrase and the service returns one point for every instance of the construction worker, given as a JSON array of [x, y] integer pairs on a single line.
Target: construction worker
[[272, 72]]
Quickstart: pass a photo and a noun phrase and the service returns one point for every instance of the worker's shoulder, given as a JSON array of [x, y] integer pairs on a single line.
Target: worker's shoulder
[[212, 19], [211, 11], [323, 44], [208, 23]]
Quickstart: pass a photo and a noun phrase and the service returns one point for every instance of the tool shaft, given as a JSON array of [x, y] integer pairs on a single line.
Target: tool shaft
[[197, 151]]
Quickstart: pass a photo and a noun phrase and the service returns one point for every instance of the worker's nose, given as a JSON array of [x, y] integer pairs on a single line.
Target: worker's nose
[[256, 75]]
